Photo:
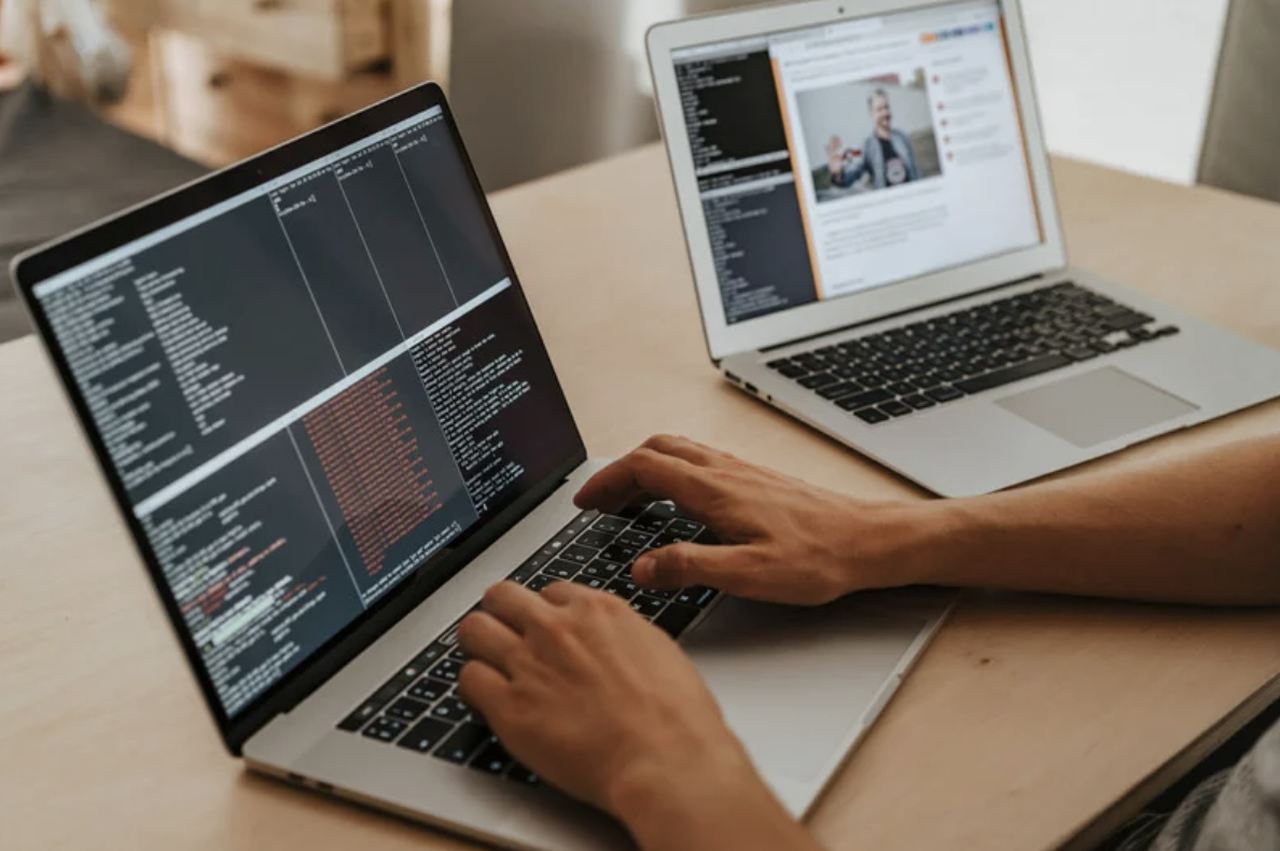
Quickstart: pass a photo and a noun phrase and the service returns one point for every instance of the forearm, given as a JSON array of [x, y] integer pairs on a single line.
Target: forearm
[[717, 809], [1204, 529]]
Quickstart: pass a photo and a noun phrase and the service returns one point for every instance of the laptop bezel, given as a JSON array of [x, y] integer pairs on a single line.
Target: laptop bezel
[[821, 317], [40, 263]]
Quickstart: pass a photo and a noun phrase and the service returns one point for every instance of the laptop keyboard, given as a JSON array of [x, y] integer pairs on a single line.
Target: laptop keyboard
[[418, 709], [935, 361]]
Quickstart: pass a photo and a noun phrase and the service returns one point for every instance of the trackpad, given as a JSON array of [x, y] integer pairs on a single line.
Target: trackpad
[[795, 683], [1097, 406]]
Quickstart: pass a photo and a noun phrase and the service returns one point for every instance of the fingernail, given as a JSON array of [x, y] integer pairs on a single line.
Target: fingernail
[[642, 570]]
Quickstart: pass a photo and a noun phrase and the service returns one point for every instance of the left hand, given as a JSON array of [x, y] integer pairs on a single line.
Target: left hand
[[595, 699]]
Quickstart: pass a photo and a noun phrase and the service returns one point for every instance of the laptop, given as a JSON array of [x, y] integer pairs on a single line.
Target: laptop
[[326, 415], [876, 249]]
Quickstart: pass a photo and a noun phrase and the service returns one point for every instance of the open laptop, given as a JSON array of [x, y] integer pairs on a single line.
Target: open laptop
[[326, 415], [876, 249]]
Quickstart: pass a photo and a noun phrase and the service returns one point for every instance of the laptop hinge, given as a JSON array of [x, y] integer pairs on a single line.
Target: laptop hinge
[[882, 317]]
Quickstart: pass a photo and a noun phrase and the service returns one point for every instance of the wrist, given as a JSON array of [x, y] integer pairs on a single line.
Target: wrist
[[657, 799], [916, 544]]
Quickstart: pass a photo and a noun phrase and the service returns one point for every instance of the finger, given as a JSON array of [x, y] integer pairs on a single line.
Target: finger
[[514, 605], [729, 568], [564, 593], [647, 472], [481, 686], [488, 639]]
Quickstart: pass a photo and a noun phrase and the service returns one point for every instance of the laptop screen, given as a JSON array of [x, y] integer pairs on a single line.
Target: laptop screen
[[856, 154], [310, 389]]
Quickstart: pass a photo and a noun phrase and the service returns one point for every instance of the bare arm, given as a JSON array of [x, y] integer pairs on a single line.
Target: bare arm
[[1204, 528]]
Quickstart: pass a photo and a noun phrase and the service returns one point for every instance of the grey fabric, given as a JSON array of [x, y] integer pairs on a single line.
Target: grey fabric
[[1242, 135], [1233, 810], [61, 167]]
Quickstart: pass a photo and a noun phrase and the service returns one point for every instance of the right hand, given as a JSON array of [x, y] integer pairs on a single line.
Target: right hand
[[835, 155], [784, 540]]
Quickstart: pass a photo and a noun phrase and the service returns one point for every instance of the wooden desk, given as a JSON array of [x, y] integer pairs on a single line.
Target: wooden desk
[[1025, 719]]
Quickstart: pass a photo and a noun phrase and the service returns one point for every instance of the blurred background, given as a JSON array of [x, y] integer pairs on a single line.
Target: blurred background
[[1180, 90]]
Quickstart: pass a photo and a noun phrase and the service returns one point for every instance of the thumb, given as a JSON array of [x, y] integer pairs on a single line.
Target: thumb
[[679, 565]]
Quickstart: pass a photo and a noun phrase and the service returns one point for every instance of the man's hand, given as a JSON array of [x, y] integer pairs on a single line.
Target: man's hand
[[605, 707], [783, 540]]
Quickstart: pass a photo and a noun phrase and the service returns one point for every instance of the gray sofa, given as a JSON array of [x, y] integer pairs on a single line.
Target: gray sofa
[[61, 167]]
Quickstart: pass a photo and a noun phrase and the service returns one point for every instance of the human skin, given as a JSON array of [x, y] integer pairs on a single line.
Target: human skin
[[608, 709]]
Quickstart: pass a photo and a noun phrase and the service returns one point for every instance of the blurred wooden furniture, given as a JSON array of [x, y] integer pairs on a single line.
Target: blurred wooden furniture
[[219, 80], [1026, 718]]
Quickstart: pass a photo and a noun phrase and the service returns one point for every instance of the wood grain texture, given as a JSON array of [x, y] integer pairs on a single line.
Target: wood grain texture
[[1025, 718]]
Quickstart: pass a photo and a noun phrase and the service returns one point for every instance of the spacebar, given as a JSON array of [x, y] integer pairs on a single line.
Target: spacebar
[[1016, 372]]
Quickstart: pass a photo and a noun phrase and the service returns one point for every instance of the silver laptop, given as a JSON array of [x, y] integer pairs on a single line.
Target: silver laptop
[[876, 248], [326, 415]]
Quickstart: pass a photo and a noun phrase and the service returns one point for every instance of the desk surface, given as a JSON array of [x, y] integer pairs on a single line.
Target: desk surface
[[1024, 719]]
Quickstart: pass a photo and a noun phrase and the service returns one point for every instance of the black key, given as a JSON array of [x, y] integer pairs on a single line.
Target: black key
[[622, 588], [524, 573], [425, 735], [706, 536], [601, 569], [778, 363], [649, 523], [666, 539], [619, 553], [835, 391], [1141, 334], [665, 510], [458, 655], [429, 690], [1078, 353], [465, 741], [647, 605], [492, 758], [870, 415], [562, 539], [1126, 320], [1026, 369], [402, 679], [675, 618], [792, 370], [695, 595], [578, 554], [363, 713], [901, 389], [820, 379], [1166, 330], [561, 569], [610, 524], [861, 400], [447, 670], [406, 709], [682, 525], [595, 582], [433, 652], [1102, 346], [634, 538], [521, 774], [450, 709], [540, 581], [384, 729], [895, 408], [594, 538], [918, 401], [943, 393]]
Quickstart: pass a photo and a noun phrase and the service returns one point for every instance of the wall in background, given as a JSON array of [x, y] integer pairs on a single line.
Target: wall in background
[[1126, 83]]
